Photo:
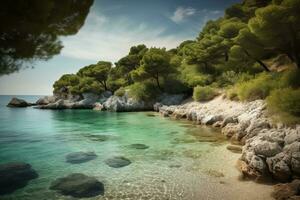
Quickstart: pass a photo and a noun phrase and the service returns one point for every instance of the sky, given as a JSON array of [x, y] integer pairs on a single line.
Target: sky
[[110, 29]]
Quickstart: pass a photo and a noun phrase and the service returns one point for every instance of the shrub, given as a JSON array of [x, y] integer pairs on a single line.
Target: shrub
[[285, 103], [143, 91], [204, 93], [120, 92], [290, 78], [258, 88], [230, 78], [231, 94]]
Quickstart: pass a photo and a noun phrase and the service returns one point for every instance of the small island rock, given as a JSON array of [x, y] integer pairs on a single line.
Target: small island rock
[[18, 103]]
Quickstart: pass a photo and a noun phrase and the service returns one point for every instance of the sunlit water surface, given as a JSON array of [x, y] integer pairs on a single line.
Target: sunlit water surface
[[183, 161]]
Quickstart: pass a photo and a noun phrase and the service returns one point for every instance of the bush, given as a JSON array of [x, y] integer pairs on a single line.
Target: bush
[[290, 78], [204, 93], [230, 78], [258, 88], [285, 103], [120, 92], [143, 91], [231, 93]]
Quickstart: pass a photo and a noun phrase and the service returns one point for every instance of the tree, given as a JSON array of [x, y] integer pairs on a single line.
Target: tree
[[99, 72], [249, 47], [30, 30], [65, 83], [277, 27], [155, 64]]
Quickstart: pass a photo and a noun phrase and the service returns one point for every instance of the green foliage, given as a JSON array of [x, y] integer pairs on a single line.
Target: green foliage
[[155, 65], [277, 27], [258, 88], [290, 78], [120, 92], [31, 30], [231, 77], [143, 91], [204, 93], [285, 104], [66, 82], [99, 72]]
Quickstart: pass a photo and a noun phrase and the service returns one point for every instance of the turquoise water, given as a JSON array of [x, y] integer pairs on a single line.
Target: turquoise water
[[183, 161]]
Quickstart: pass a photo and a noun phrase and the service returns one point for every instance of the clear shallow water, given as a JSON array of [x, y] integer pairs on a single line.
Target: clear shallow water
[[184, 161]]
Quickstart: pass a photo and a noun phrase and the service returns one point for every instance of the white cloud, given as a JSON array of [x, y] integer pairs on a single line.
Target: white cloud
[[181, 13], [102, 39]]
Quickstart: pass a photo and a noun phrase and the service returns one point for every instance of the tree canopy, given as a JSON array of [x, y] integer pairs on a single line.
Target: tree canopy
[[30, 30]]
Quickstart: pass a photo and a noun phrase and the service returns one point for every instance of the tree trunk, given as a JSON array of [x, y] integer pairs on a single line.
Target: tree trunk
[[226, 56], [294, 47], [257, 60], [157, 82], [263, 65]]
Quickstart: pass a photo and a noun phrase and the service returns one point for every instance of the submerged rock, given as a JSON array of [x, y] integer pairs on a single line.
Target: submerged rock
[[97, 138], [14, 176], [287, 191], [234, 148], [18, 103], [78, 185], [139, 146], [80, 157], [117, 162]]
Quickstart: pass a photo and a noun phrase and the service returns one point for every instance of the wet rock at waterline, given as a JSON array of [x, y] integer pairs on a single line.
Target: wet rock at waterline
[[78, 185], [18, 103], [287, 191], [117, 162], [138, 146], [80, 157], [14, 176]]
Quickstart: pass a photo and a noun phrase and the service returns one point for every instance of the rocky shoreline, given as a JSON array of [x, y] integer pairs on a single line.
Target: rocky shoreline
[[269, 149]]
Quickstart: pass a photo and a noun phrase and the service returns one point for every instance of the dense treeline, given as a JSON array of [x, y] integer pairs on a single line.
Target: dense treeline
[[252, 52]]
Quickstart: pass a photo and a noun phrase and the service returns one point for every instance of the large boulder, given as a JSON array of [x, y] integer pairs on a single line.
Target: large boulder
[[279, 166], [18, 103], [171, 99], [80, 157], [14, 176], [78, 185], [267, 149]]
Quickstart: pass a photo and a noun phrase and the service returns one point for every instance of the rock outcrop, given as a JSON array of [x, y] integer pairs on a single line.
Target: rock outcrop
[[269, 149], [78, 185], [46, 100], [85, 101], [18, 103], [128, 104], [14, 176]]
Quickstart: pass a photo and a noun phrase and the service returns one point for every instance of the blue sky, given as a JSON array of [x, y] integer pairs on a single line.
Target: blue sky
[[111, 28]]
